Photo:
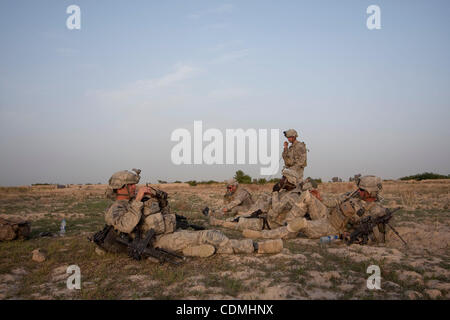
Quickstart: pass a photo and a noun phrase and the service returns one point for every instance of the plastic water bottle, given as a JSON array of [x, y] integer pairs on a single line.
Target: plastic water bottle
[[62, 230], [328, 239]]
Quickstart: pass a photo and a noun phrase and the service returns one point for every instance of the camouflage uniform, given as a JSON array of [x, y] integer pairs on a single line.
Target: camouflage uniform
[[280, 207], [330, 221], [234, 202], [127, 215], [240, 201], [295, 155]]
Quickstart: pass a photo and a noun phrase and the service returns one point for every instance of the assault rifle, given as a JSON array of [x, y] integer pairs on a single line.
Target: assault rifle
[[100, 236], [366, 225], [183, 223], [139, 248], [258, 214]]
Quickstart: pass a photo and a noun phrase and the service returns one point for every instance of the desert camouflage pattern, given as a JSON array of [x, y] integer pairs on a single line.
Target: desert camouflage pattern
[[183, 239], [292, 176], [242, 224], [295, 157], [324, 220], [240, 201], [124, 215], [121, 178], [290, 133], [371, 184]]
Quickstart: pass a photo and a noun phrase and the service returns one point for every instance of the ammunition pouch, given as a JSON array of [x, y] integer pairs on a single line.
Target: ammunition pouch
[[159, 223], [341, 214]]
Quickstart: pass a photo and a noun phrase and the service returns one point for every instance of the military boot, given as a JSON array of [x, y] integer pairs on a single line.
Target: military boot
[[253, 234], [203, 251], [270, 246], [297, 225]]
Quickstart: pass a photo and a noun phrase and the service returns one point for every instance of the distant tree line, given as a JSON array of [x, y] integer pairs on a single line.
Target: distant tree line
[[425, 176]]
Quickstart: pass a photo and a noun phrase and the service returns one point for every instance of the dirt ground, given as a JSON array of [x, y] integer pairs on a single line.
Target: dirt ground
[[304, 270]]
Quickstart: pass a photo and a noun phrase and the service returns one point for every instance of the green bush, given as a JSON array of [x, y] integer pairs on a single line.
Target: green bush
[[262, 181], [192, 183], [241, 177], [426, 176]]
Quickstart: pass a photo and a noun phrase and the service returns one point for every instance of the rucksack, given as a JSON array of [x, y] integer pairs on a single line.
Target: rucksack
[[13, 229]]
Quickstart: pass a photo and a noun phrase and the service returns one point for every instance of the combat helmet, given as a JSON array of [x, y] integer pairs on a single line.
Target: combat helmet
[[290, 133], [371, 184], [121, 178]]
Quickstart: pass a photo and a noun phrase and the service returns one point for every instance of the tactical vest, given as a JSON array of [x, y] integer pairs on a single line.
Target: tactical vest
[[340, 215], [161, 223]]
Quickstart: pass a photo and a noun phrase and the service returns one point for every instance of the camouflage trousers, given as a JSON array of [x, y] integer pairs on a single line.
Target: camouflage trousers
[[307, 204], [207, 242], [313, 229], [243, 223]]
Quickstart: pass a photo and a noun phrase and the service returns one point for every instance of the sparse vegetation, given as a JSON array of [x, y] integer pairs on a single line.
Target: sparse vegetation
[[304, 270]]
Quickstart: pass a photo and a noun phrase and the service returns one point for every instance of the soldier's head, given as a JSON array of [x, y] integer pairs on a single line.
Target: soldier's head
[[232, 185], [122, 184], [369, 187], [291, 135], [308, 184]]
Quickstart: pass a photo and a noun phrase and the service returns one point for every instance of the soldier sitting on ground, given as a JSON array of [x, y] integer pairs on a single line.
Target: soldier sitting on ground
[[236, 200], [339, 220], [133, 213], [275, 209]]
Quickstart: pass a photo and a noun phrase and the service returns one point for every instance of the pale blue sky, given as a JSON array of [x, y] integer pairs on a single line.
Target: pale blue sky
[[75, 106]]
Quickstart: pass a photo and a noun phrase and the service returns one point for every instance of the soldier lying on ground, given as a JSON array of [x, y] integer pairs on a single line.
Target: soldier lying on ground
[[136, 213], [275, 209], [339, 220]]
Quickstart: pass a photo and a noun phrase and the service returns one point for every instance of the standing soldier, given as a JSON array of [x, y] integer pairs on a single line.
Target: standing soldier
[[294, 156]]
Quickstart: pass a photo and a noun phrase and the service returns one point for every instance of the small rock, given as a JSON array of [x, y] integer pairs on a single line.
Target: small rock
[[100, 251], [38, 255], [316, 256], [433, 293]]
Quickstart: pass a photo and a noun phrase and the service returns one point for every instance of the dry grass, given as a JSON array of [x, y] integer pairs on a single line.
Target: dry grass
[[304, 270]]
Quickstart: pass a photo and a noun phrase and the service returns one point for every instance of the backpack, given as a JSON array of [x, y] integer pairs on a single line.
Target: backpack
[[12, 229]]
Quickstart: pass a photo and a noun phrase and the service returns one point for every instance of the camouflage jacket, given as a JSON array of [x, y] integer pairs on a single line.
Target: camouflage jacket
[[124, 215], [347, 212], [295, 156], [240, 198]]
